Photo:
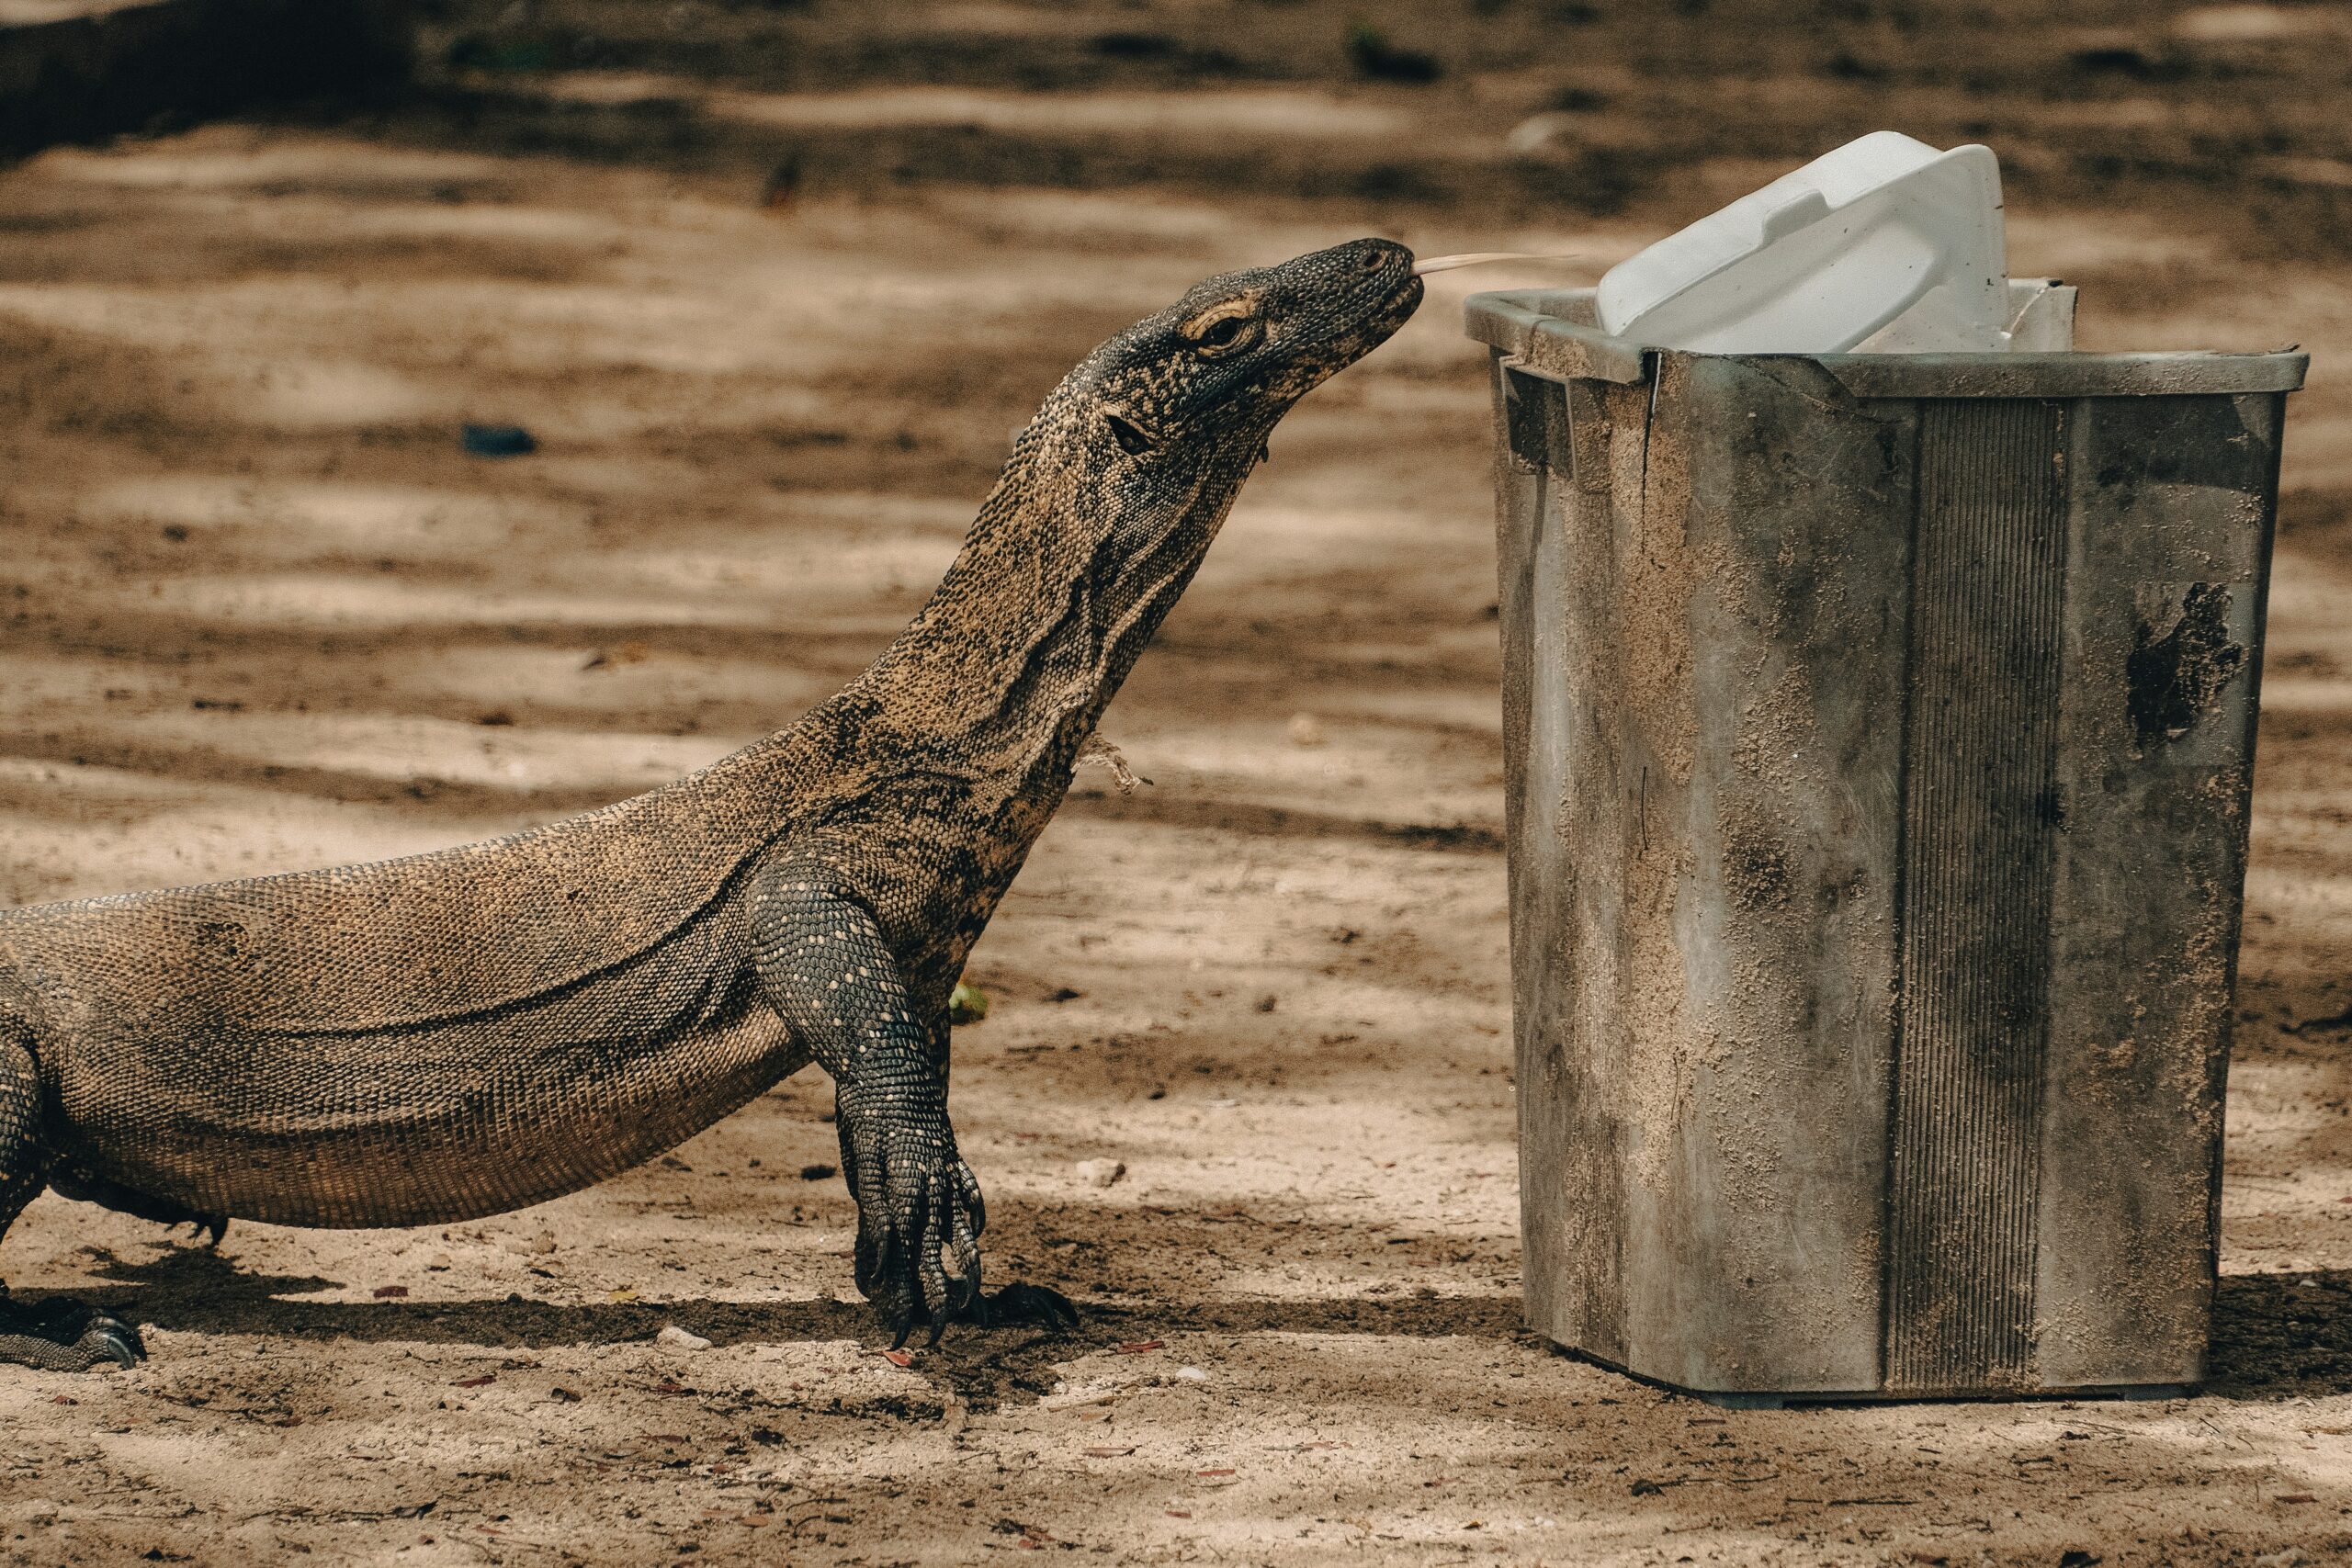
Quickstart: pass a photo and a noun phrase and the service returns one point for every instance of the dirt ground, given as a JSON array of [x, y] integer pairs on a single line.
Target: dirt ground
[[261, 612]]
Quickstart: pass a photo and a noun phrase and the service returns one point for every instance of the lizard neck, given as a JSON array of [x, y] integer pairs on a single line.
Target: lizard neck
[[1061, 582]]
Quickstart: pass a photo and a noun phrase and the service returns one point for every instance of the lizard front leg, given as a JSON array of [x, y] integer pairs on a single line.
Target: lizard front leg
[[823, 965], [55, 1337]]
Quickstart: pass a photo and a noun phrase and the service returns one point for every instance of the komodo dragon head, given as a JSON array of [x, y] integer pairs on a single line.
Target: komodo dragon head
[[1115, 490], [1197, 388], [1163, 421]]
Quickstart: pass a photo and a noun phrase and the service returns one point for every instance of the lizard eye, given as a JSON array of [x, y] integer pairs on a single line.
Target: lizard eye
[[1228, 334]]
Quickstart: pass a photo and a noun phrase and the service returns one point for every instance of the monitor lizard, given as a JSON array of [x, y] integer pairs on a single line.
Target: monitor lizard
[[448, 1035]]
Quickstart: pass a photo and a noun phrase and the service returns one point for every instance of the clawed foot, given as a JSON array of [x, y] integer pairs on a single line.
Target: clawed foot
[[917, 1200], [919, 1214], [66, 1336]]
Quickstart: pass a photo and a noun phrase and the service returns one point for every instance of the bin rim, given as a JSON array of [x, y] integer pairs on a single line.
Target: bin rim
[[1535, 328]]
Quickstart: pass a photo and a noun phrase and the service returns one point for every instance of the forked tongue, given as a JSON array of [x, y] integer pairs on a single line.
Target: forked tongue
[[1478, 258]]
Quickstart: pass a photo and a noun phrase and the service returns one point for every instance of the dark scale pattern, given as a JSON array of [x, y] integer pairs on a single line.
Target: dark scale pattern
[[454, 1035]]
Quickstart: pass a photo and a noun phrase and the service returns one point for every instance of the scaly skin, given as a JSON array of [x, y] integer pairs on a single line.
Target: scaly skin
[[449, 1035]]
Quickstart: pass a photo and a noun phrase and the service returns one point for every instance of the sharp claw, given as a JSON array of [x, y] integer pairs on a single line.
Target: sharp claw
[[974, 1199], [906, 1326], [938, 1328], [117, 1341], [64, 1336], [876, 1262]]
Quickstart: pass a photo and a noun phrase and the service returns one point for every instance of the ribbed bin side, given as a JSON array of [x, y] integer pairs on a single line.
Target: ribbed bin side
[[1980, 826]]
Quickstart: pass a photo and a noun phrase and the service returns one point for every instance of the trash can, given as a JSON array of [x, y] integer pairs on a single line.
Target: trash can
[[1878, 732]]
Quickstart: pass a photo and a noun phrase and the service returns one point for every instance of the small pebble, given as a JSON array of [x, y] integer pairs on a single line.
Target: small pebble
[[1305, 730], [1192, 1374], [1101, 1172], [678, 1338], [542, 1244], [1541, 133], [498, 441]]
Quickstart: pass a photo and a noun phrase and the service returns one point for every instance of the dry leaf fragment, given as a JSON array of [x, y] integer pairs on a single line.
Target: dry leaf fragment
[[898, 1358], [1098, 753], [1105, 1450], [630, 652], [386, 1292], [1142, 1347], [483, 1382]]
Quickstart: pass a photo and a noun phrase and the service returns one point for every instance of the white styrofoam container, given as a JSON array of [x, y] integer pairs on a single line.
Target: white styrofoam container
[[1884, 244]]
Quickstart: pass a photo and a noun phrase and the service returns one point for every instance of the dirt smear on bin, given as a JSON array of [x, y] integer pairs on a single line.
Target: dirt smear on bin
[[261, 611]]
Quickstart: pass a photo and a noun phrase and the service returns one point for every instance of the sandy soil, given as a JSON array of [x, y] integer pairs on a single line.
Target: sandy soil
[[261, 612]]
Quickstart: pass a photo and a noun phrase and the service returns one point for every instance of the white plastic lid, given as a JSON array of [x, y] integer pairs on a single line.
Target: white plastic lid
[[1885, 243]]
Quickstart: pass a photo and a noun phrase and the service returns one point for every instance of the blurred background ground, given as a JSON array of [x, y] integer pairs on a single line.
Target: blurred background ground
[[770, 284]]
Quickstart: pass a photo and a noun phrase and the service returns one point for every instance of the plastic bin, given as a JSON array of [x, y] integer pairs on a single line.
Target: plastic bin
[[1880, 730]]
